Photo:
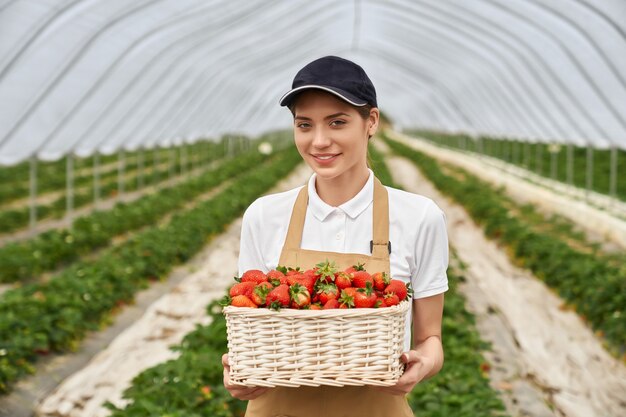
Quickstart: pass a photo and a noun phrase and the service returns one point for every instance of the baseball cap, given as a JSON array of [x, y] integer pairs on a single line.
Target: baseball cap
[[336, 75]]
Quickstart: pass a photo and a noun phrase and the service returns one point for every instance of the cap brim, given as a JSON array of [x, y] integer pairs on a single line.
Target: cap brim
[[288, 96]]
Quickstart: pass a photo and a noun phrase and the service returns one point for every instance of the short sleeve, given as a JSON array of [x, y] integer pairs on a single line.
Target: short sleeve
[[250, 254], [431, 254]]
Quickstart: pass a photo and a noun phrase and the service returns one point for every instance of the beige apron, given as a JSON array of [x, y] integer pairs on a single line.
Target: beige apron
[[326, 401]]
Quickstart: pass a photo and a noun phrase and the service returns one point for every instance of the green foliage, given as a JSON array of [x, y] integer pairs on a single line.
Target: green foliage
[[548, 160], [55, 315], [52, 249], [53, 178], [593, 284]]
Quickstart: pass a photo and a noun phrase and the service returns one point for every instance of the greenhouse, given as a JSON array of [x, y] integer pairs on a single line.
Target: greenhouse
[[150, 151]]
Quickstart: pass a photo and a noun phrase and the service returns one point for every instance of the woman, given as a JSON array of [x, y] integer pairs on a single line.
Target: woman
[[345, 213]]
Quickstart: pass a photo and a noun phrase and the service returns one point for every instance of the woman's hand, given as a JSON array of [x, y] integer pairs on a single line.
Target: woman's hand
[[417, 367], [239, 391]]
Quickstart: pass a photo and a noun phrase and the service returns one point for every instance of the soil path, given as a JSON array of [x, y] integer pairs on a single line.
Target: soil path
[[540, 350], [144, 343]]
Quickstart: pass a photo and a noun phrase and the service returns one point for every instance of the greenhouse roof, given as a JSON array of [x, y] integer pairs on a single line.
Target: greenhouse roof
[[80, 76]]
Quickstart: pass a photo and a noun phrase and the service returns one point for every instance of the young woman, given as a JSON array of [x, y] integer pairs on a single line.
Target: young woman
[[344, 213]]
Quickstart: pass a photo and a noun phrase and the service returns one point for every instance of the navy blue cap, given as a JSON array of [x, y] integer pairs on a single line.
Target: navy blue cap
[[336, 75]]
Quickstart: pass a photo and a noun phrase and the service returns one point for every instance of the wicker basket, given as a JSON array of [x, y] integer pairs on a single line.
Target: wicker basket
[[338, 347]]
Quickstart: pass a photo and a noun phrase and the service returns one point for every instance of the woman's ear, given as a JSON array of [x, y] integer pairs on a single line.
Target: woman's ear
[[373, 120]]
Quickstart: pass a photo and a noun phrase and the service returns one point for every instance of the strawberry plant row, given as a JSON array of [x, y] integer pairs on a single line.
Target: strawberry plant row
[[192, 385], [15, 219], [547, 160], [595, 287], [51, 176], [52, 249], [54, 316]]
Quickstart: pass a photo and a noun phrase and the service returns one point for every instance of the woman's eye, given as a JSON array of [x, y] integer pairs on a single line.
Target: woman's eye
[[338, 122], [302, 125]]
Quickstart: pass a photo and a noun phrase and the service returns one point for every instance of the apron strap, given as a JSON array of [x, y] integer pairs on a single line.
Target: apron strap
[[380, 245]]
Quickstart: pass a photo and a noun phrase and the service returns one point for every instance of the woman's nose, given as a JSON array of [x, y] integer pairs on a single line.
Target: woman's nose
[[321, 139]]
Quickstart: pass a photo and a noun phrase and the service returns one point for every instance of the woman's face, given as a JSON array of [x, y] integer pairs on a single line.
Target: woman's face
[[331, 135]]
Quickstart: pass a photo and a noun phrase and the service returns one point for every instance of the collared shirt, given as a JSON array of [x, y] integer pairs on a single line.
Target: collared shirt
[[417, 231]]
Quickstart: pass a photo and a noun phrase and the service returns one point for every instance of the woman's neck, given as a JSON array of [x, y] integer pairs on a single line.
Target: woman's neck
[[338, 190]]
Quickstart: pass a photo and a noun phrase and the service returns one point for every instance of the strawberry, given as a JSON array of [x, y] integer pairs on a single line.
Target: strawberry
[[399, 288], [292, 271], [259, 294], [254, 275], [365, 297], [361, 278], [332, 303], [347, 298], [310, 273], [315, 306], [343, 280], [242, 288], [300, 296], [358, 267], [308, 281], [391, 299], [276, 277], [381, 280], [327, 291], [278, 297], [326, 271], [242, 301]]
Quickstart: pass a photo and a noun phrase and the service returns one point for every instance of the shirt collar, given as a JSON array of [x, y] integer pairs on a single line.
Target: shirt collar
[[353, 207]]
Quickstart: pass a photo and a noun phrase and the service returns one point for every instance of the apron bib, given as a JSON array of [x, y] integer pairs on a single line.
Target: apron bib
[[327, 401]]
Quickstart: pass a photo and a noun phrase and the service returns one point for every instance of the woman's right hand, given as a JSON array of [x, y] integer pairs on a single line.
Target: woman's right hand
[[239, 391]]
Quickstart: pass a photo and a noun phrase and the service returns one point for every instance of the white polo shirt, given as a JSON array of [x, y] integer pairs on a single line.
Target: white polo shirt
[[417, 231]]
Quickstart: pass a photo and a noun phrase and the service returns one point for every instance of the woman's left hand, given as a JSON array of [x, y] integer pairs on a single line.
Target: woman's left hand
[[417, 367]]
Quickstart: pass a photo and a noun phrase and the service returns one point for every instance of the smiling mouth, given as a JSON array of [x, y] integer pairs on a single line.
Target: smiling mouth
[[325, 157]]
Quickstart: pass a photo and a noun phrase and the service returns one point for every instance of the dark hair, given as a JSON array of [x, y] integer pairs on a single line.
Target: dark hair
[[364, 112]]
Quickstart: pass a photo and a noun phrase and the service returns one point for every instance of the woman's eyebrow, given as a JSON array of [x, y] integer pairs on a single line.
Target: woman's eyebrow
[[327, 117]]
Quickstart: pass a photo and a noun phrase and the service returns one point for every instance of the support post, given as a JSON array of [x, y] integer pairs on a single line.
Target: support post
[[96, 179], [69, 194], [33, 192], [570, 164], [589, 174], [613, 180], [120, 173]]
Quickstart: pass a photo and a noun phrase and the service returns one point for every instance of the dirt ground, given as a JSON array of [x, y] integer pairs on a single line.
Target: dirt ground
[[543, 355], [144, 343]]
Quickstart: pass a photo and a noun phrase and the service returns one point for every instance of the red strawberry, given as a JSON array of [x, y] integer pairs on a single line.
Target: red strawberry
[[278, 297], [254, 275], [242, 288], [347, 298], [242, 301], [381, 280], [361, 278], [399, 288], [308, 281], [259, 294], [310, 273], [365, 297], [300, 296], [292, 271], [276, 277], [327, 292], [332, 303], [343, 280], [315, 307], [354, 268], [391, 299]]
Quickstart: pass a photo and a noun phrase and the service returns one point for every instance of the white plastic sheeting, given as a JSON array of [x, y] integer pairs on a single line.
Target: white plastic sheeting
[[83, 76]]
